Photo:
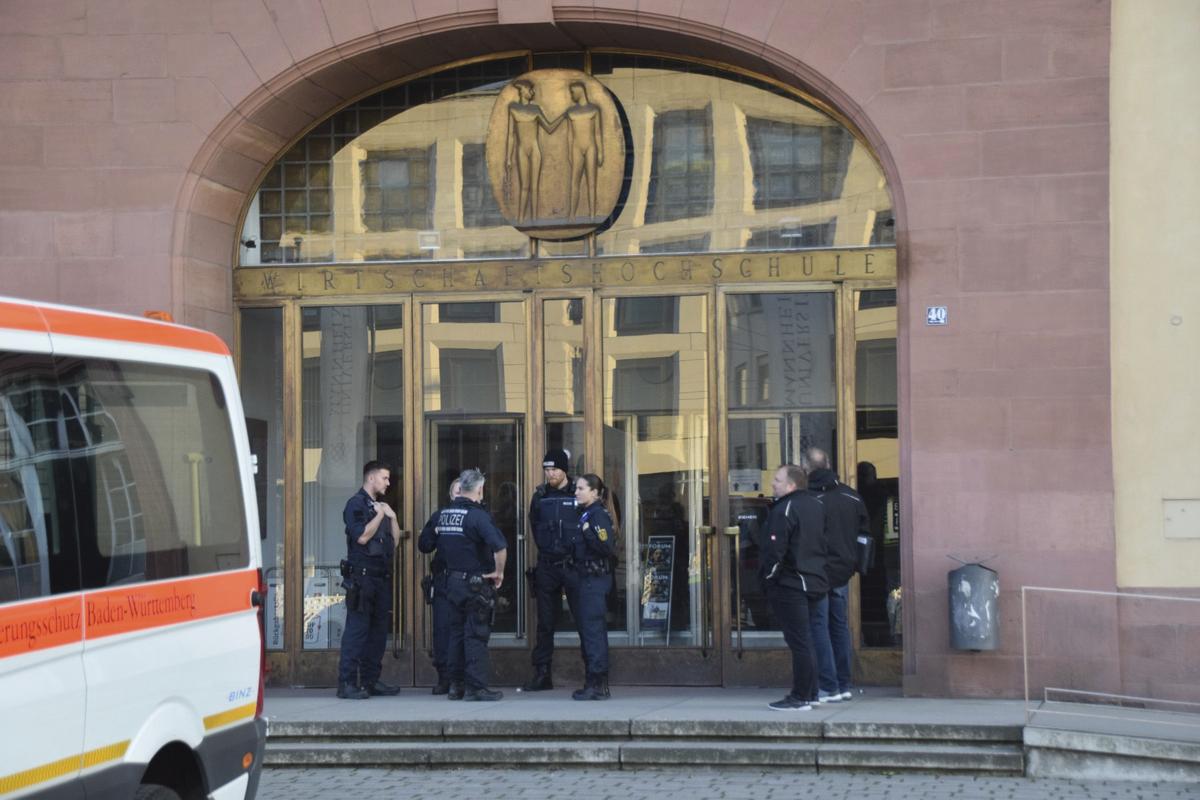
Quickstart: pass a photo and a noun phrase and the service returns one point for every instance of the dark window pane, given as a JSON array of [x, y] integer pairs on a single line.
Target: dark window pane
[[155, 488], [38, 555]]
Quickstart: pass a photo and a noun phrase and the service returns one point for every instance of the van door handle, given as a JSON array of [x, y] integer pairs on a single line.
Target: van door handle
[[256, 599]]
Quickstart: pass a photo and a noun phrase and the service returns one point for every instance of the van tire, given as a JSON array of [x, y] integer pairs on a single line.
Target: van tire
[[154, 791]]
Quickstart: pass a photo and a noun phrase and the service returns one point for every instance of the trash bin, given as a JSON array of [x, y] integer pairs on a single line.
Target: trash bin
[[974, 602]]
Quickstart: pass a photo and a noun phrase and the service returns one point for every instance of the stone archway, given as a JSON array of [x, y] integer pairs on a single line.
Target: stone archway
[[224, 173], [235, 155]]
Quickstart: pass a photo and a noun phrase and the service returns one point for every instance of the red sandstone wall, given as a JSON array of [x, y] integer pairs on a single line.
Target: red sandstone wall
[[132, 131]]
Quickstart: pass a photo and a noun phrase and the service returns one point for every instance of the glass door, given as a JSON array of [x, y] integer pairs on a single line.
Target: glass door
[[352, 412], [656, 396], [474, 399], [780, 367]]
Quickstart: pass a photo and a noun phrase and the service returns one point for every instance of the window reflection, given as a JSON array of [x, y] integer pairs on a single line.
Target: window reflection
[[715, 161]]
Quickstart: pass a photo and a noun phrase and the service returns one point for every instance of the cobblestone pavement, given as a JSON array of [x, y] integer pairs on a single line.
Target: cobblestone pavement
[[693, 784]]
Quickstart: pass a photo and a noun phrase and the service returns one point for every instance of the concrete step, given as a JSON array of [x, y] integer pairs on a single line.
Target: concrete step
[[812, 754]]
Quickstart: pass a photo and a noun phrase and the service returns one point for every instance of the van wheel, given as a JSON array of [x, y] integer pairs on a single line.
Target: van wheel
[[154, 791]]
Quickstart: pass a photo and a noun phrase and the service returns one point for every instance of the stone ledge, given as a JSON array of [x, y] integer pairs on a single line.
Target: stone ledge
[[1051, 753], [923, 731], [938, 758], [723, 729], [718, 754]]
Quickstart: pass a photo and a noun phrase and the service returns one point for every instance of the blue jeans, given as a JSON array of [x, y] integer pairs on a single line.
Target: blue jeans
[[818, 631], [839, 635], [829, 626]]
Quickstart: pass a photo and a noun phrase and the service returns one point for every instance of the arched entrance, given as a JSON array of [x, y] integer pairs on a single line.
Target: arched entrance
[[650, 346]]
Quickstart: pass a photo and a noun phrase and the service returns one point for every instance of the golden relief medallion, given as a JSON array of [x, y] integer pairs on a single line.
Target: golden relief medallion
[[555, 153]]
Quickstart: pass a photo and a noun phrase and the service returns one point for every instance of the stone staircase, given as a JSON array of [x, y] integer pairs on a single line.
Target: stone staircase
[[625, 743]]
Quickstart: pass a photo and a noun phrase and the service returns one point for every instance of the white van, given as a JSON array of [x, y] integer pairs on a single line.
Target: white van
[[131, 651]]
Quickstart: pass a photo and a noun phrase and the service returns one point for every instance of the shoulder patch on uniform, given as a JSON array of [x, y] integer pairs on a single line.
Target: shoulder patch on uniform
[[586, 525], [602, 534]]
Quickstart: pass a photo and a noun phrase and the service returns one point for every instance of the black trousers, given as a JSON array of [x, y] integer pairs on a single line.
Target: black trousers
[[552, 581], [365, 636], [440, 614], [592, 608], [790, 607], [470, 629]]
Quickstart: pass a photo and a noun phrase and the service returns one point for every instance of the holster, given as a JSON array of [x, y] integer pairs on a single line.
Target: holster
[[485, 607], [531, 581], [354, 599], [427, 589]]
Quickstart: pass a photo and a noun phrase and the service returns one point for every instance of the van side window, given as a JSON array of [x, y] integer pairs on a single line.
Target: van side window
[[37, 546], [154, 470]]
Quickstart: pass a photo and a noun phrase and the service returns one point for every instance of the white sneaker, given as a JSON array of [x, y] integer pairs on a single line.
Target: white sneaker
[[846, 695], [826, 697]]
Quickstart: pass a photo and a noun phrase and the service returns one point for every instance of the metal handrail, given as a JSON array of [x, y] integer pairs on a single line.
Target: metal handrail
[[1025, 590]]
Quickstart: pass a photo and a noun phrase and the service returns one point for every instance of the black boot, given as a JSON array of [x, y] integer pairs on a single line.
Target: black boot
[[596, 689], [348, 691], [540, 681], [482, 695], [585, 692], [456, 691], [442, 686]]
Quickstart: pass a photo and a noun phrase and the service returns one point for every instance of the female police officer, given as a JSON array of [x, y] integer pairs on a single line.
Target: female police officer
[[595, 555]]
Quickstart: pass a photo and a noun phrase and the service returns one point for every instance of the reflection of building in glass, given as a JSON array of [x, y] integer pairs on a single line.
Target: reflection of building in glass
[[718, 163]]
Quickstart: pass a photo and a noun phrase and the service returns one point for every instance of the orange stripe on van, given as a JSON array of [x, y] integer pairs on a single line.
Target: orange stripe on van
[[140, 607], [67, 322], [21, 317], [41, 625]]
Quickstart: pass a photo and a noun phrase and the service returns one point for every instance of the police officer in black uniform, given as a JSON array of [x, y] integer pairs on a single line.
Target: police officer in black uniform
[[554, 521], [793, 565], [371, 534], [595, 556], [434, 585], [475, 551]]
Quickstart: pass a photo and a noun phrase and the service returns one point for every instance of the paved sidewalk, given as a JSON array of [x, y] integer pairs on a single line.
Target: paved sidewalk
[[628, 703], [691, 783]]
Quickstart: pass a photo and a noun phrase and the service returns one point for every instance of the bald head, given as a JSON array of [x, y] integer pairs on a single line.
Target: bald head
[[817, 458]]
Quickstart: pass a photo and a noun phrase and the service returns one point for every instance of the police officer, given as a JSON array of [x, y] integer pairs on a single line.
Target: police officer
[[435, 594], [792, 545], [371, 534], [554, 521], [475, 551], [595, 555]]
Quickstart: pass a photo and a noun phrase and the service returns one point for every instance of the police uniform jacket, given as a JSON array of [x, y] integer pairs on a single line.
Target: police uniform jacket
[[554, 520], [845, 518], [379, 550], [597, 540], [467, 538], [427, 542], [793, 544]]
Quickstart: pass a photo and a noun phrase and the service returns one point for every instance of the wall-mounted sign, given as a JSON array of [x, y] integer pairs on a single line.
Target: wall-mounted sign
[[935, 315], [555, 153], [710, 269]]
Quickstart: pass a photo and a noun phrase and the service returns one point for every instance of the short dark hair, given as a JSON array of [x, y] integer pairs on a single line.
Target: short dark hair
[[374, 466]]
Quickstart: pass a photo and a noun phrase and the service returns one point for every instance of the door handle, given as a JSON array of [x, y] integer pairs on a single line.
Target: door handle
[[734, 532], [397, 613], [706, 533]]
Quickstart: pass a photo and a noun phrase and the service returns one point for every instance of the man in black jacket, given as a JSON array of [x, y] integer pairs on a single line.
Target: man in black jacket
[[793, 563], [554, 520], [845, 519]]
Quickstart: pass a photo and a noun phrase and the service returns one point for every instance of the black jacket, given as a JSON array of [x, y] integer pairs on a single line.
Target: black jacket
[[467, 537], [793, 544], [845, 518], [554, 519]]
